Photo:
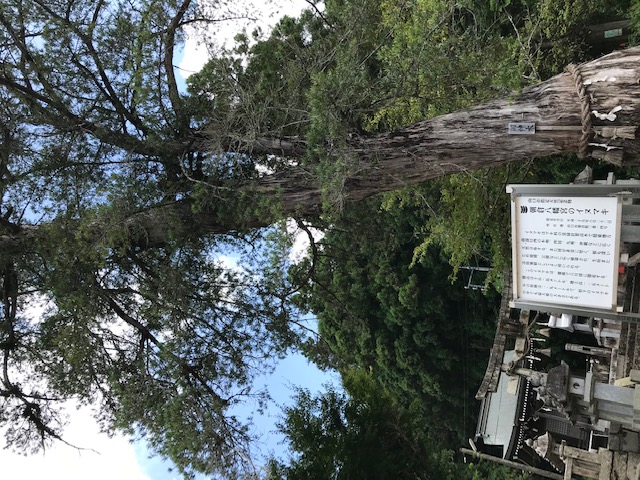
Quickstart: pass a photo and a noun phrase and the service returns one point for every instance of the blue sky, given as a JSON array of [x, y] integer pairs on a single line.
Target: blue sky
[[291, 371]]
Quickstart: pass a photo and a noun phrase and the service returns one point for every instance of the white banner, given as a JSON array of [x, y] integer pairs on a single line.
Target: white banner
[[566, 250]]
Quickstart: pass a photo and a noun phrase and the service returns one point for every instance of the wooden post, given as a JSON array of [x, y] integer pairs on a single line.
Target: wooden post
[[568, 468], [606, 464], [509, 463]]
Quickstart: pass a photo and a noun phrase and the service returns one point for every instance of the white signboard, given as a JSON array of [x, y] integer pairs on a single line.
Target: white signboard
[[521, 128], [565, 250]]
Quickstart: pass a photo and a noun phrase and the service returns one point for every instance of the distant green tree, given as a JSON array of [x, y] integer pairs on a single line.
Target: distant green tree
[[361, 435], [423, 338], [365, 435]]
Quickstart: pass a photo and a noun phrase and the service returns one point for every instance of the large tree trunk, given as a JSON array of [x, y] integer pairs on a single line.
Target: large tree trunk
[[476, 138], [458, 142]]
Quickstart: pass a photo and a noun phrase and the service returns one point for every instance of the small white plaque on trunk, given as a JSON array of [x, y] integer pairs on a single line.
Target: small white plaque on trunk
[[522, 128]]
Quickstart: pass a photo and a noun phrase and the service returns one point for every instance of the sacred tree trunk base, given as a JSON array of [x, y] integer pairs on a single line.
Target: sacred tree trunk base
[[593, 110]]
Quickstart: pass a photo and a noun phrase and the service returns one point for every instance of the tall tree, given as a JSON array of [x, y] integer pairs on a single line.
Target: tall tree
[[113, 293], [119, 192], [363, 435]]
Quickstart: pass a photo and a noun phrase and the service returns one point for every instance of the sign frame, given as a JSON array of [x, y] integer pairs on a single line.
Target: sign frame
[[607, 305]]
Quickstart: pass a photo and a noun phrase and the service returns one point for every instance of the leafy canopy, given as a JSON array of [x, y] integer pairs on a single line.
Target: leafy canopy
[[364, 434], [116, 292]]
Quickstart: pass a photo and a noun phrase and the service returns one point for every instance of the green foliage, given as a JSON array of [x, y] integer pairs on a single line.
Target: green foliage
[[212, 94], [165, 341], [635, 23], [335, 435], [555, 31], [564, 17], [470, 216], [435, 62], [470, 220], [189, 380], [268, 95], [405, 323], [363, 434], [342, 94]]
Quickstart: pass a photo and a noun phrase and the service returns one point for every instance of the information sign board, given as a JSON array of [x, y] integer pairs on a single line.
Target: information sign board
[[565, 250]]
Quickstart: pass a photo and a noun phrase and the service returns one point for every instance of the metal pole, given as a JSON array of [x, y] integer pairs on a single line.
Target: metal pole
[[509, 463]]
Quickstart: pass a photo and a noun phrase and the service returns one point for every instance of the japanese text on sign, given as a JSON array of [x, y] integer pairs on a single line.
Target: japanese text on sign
[[521, 128], [566, 250]]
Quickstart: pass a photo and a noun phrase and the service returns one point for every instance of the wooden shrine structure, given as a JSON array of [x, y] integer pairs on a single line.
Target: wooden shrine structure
[[538, 411]]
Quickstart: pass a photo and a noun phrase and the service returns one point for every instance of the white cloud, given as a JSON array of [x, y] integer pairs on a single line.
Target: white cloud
[[301, 242], [263, 15], [113, 457], [195, 56]]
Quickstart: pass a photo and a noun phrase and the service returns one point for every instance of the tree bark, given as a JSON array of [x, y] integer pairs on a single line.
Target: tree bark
[[476, 138], [458, 142]]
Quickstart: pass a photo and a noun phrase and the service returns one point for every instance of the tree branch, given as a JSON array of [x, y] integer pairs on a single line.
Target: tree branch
[[125, 141], [169, 44], [187, 369], [110, 92]]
